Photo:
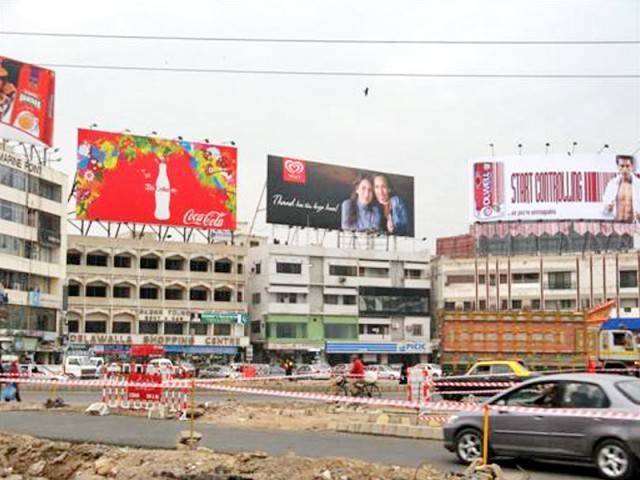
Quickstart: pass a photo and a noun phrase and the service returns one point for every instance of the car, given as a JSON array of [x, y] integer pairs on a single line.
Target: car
[[341, 368], [319, 371], [433, 368], [611, 444], [276, 371], [217, 371], [384, 372], [162, 366]]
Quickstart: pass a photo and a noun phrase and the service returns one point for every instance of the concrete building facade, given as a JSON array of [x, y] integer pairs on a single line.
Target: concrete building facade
[[312, 301]]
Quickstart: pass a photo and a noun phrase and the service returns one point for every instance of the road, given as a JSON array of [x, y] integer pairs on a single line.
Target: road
[[140, 432]]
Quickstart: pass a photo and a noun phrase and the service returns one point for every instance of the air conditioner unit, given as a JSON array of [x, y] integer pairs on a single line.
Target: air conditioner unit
[[342, 279]]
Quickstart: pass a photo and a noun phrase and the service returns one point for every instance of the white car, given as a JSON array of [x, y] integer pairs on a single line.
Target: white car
[[163, 366], [320, 371], [433, 368], [384, 372]]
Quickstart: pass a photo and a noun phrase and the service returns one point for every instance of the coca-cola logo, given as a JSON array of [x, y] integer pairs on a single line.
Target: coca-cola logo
[[294, 171], [210, 219]]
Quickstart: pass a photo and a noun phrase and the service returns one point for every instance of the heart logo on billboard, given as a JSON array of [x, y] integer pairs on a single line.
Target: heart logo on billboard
[[294, 171]]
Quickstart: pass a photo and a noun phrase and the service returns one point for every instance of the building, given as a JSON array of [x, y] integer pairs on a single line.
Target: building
[[528, 306], [312, 301], [188, 297], [32, 246]]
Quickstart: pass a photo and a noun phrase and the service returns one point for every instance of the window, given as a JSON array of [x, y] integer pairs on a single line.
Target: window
[[256, 327], [13, 212], [148, 327], [291, 268], [222, 266], [121, 291], [149, 263], [73, 326], [385, 301], [199, 265], [240, 268], [416, 330], [198, 294], [482, 304], [239, 296], [96, 291], [340, 330], [223, 329], [174, 264], [287, 330], [525, 278], [566, 304], [480, 370], [287, 298], [412, 273], [199, 328], [96, 260], [492, 279], [373, 272], [255, 299], [258, 268], [467, 305], [582, 395], [331, 299], [628, 278], [122, 261], [49, 190], [349, 300], [13, 178], [74, 258], [535, 304], [343, 270], [173, 328], [458, 279], [173, 294], [366, 329], [504, 305], [623, 339], [121, 327], [222, 295], [559, 280], [501, 370], [541, 395], [630, 389], [95, 327], [149, 293], [449, 305], [516, 304], [73, 290]]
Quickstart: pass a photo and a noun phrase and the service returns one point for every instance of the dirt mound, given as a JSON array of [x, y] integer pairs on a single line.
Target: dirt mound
[[28, 458]]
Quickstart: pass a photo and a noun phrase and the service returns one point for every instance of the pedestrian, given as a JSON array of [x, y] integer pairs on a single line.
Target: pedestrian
[[14, 371], [404, 371]]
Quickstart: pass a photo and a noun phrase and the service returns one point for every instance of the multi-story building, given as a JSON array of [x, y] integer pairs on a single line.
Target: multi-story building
[[188, 297], [32, 246], [310, 301]]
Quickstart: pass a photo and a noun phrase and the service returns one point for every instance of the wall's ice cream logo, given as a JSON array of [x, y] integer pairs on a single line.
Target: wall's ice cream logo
[[488, 190], [294, 171]]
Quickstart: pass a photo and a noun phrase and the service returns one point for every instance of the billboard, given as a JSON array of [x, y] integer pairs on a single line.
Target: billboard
[[319, 195], [150, 180], [555, 187], [26, 102]]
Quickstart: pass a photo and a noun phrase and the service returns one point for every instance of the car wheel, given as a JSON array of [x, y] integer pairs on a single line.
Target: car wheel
[[614, 461], [468, 445]]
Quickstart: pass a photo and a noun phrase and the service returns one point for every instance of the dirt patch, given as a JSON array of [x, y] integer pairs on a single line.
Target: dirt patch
[[29, 458]]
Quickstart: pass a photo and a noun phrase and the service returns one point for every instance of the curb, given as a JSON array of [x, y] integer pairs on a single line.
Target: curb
[[393, 430]]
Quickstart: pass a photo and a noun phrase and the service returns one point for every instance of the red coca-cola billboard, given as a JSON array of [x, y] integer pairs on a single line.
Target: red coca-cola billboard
[[149, 180], [26, 102]]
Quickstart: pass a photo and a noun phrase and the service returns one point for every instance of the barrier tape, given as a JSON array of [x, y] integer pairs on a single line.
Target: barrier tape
[[437, 383]]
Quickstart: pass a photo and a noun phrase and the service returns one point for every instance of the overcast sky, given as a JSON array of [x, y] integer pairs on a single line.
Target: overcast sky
[[425, 127]]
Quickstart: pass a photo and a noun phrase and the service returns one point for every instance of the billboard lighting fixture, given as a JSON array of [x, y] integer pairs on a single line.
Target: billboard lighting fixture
[[492, 150], [180, 138], [546, 147], [153, 132], [604, 147], [126, 130], [93, 125], [206, 140], [573, 147], [519, 149]]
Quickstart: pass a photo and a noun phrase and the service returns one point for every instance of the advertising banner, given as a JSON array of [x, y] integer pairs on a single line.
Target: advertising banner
[[319, 195], [26, 102], [555, 187], [150, 180]]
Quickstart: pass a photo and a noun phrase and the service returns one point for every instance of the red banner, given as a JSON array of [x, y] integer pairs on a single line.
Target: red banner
[[145, 394], [130, 178], [26, 102]]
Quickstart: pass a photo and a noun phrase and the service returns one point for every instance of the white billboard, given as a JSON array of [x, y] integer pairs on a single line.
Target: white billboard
[[555, 187]]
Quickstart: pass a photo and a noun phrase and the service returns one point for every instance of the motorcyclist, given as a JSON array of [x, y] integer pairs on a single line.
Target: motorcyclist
[[356, 373]]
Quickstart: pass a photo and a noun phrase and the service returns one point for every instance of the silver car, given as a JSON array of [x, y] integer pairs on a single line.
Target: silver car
[[611, 444]]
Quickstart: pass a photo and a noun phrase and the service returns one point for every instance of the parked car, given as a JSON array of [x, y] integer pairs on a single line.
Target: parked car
[[163, 366], [340, 369], [433, 368], [276, 371], [186, 368], [217, 371], [320, 371], [384, 372], [611, 444]]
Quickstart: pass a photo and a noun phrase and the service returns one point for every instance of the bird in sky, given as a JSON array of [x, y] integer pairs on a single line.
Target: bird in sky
[[366, 91]]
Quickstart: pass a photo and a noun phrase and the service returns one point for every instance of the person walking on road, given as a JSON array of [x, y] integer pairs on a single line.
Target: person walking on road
[[14, 372]]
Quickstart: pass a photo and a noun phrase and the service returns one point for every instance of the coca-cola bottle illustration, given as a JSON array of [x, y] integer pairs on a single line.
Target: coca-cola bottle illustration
[[163, 193]]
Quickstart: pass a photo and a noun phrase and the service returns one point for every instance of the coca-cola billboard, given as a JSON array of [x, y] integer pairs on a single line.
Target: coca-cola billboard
[[151, 180]]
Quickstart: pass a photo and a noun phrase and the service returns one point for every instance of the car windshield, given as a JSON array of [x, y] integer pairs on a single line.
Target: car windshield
[[631, 390]]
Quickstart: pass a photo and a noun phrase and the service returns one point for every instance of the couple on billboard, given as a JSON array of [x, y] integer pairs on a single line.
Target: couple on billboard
[[386, 212]]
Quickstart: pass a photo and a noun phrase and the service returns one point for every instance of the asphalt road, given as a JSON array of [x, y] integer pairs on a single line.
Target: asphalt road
[[140, 432]]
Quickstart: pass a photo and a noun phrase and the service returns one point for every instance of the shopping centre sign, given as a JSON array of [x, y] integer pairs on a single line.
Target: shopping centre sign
[[115, 339]]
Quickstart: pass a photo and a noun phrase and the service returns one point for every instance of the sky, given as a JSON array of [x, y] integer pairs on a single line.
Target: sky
[[424, 127]]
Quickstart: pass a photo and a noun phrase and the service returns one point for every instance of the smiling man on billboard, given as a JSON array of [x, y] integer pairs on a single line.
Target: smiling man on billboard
[[622, 195]]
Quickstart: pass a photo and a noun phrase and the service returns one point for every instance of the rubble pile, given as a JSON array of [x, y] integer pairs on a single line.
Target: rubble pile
[[28, 458]]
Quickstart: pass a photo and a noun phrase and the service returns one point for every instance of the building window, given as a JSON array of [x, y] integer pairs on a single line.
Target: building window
[[349, 300], [13, 178], [566, 304], [535, 304], [121, 291], [287, 330], [516, 304], [240, 268], [96, 260], [148, 327], [74, 258], [255, 299], [173, 328], [222, 295], [222, 329], [149, 263], [293, 268], [96, 291], [628, 278], [198, 294], [341, 330], [174, 264], [286, 297], [385, 301], [173, 294], [73, 290], [199, 265], [467, 306], [13, 212], [373, 272], [525, 278], [222, 266], [412, 273], [95, 327], [149, 292], [343, 270], [416, 329], [199, 328], [366, 329], [331, 299], [504, 305], [459, 279], [256, 327], [258, 268], [482, 304], [122, 261], [121, 327], [74, 326], [49, 190], [239, 297], [449, 305], [559, 280]]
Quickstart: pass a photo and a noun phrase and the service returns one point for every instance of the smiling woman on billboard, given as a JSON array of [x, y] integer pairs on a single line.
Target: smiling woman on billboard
[[395, 218], [359, 212]]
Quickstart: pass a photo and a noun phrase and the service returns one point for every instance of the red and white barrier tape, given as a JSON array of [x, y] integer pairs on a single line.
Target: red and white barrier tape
[[437, 384]]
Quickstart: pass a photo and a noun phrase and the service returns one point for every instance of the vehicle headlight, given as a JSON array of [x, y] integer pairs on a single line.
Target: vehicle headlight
[[452, 418]]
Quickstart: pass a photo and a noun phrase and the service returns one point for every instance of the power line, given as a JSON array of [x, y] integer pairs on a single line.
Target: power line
[[339, 73], [352, 41]]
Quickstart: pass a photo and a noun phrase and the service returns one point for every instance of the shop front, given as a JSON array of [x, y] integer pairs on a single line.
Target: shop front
[[378, 352]]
